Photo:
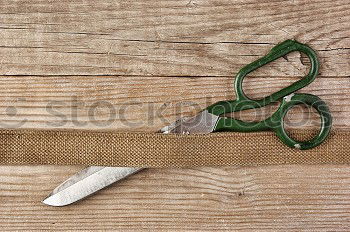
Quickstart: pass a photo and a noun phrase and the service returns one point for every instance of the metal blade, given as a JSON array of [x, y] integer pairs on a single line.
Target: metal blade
[[202, 123], [85, 183], [92, 179]]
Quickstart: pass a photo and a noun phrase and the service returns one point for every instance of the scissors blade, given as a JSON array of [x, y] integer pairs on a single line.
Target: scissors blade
[[92, 179], [202, 123], [87, 182]]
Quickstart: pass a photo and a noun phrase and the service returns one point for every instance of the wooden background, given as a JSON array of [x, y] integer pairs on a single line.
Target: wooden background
[[71, 64]]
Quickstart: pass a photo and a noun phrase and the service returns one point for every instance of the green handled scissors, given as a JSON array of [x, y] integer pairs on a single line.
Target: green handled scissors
[[210, 120], [94, 178]]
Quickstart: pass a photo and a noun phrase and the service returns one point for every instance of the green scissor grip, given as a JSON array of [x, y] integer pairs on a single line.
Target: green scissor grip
[[243, 102], [275, 122]]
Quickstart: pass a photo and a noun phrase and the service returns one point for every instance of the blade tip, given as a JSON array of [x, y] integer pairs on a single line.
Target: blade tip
[[51, 202]]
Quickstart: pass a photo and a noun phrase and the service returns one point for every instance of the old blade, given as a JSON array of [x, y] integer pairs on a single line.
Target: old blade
[[94, 178], [202, 123], [85, 183]]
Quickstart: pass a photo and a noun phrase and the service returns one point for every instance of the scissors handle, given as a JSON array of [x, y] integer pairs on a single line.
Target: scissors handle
[[243, 102], [276, 121]]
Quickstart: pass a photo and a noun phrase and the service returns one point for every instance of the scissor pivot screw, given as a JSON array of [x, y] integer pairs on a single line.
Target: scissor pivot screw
[[289, 97], [297, 145]]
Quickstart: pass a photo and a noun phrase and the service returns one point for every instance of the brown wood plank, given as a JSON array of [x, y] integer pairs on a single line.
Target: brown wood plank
[[168, 38], [141, 103], [254, 198]]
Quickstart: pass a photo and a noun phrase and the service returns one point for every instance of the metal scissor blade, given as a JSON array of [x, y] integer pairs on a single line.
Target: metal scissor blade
[[202, 123], [85, 183], [92, 179]]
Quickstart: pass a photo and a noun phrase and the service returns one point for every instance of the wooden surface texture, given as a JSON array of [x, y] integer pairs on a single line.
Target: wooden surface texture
[[139, 65]]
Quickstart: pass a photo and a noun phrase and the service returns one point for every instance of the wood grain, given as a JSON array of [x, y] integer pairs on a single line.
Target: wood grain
[[167, 38], [153, 61], [257, 198], [146, 103]]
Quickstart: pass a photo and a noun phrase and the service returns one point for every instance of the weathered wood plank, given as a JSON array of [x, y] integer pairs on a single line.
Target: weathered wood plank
[[144, 103], [167, 38], [257, 198]]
